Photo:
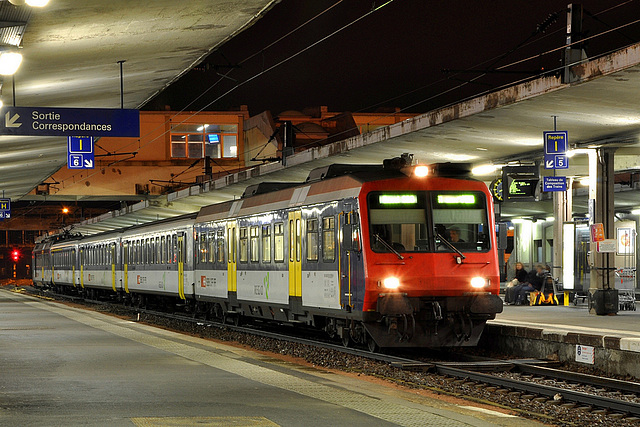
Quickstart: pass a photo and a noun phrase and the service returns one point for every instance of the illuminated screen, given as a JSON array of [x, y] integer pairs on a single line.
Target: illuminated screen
[[456, 199], [213, 138], [398, 199]]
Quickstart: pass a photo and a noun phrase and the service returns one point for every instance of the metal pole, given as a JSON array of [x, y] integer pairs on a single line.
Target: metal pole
[[122, 61], [13, 86]]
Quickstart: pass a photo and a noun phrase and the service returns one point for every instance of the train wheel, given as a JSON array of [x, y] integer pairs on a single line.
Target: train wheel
[[346, 338], [371, 344]]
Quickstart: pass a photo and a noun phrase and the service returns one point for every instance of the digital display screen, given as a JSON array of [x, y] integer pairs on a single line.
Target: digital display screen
[[398, 199], [522, 187], [213, 138], [456, 199]]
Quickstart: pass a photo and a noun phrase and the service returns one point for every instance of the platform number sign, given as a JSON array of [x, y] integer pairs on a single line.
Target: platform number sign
[[556, 144], [80, 152], [5, 208]]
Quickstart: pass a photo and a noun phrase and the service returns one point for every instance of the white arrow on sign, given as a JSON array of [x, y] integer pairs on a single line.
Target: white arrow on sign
[[549, 164], [10, 122], [88, 163]]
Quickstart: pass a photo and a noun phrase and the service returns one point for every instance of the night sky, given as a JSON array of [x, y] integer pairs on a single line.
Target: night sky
[[393, 57]]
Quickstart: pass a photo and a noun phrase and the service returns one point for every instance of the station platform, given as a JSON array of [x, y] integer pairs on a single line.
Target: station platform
[[68, 366], [555, 332]]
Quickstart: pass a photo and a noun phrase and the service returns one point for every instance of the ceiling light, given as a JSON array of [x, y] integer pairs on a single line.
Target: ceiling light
[[635, 212], [484, 169], [37, 3], [9, 62], [584, 181], [550, 219]]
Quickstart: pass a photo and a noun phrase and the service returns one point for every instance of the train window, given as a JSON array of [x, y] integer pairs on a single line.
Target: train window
[[220, 243], [244, 245], [163, 249], [266, 243], [204, 257], [292, 240], [328, 239], [278, 239], [158, 251], [174, 248], [312, 239], [253, 244], [461, 219]]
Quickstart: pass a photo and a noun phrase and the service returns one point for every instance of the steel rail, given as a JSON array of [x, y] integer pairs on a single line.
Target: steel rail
[[593, 380], [543, 390]]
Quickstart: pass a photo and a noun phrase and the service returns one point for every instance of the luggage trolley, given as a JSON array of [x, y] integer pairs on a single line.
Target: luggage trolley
[[626, 271], [625, 278]]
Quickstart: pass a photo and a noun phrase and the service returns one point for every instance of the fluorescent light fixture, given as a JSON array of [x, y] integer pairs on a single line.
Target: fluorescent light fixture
[[484, 169], [550, 219], [520, 220], [635, 212], [9, 62], [568, 237], [584, 181], [37, 3]]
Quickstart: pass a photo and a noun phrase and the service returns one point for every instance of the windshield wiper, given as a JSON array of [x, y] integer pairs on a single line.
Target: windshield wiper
[[388, 246], [450, 245]]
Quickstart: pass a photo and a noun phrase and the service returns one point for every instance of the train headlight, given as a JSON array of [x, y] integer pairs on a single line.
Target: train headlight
[[391, 283], [478, 282], [421, 171]]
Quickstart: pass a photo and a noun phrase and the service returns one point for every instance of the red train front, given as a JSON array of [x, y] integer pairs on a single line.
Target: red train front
[[429, 250]]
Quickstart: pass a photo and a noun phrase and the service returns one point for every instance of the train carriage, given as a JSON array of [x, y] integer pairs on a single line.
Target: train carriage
[[41, 261], [387, 256], [157, 258]]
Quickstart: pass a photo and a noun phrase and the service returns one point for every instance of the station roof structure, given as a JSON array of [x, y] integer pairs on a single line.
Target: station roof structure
[[71, 51], [71, 60], [599, 109]]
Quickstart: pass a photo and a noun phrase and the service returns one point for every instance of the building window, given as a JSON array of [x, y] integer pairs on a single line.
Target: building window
[[195, 141]]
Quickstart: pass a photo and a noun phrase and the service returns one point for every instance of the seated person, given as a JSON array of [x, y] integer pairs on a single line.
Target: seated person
[[454, 235], [534, 282], [516, 284]]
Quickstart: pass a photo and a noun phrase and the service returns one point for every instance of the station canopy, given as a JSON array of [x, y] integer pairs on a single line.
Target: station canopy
[[70, 55], [71, 51]]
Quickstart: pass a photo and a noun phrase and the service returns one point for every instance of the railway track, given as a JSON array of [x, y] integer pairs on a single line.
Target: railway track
[[527, 378]]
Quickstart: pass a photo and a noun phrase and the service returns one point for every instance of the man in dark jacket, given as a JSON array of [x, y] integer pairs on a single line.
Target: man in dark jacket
[[534, 282]]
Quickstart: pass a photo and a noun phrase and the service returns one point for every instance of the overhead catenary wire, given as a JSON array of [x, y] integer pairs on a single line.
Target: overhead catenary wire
[[403, 109], [373, 10]]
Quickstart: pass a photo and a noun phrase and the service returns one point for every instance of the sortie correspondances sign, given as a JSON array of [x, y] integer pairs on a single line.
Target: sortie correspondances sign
[[41, 121]]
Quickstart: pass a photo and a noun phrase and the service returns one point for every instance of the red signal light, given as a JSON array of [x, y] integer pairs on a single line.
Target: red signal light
[[15, 255]]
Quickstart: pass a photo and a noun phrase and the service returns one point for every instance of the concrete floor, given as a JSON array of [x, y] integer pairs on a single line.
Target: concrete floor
[[66, 366]]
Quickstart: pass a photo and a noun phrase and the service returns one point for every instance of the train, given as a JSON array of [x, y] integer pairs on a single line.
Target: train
[[362, 252]]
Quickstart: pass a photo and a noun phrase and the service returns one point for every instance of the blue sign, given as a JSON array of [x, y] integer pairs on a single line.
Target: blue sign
[[41, 121], [555, 149], [5, 208], [556, 142], [554, 183], [80, 152]]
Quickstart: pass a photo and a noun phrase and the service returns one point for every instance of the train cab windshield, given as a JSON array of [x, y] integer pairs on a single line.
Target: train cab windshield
[[423, 221]]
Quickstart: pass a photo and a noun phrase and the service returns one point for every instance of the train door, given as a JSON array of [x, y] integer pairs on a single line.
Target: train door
[[180, 261], [112, 254], [82, 268], [232, 266], [295, 254], [73, 262], [349, 262], [125, 265]]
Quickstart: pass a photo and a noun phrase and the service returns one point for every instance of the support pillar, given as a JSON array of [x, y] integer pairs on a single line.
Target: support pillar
[[562, 212], [602, 297]]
